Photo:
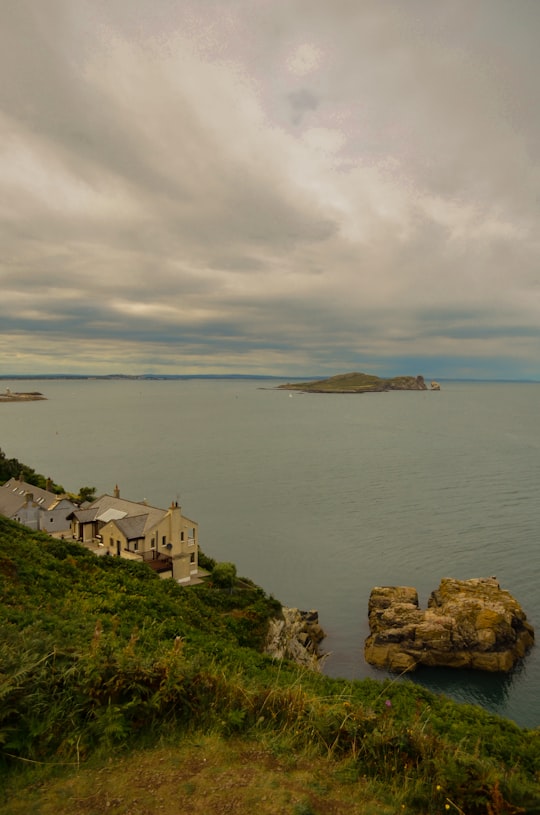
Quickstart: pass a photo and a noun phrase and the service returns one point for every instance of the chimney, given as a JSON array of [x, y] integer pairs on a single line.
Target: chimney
[[29, 498], [48, 484], [117, 491]]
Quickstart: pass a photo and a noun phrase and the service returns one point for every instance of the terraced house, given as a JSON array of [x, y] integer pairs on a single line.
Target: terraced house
[[164, 539], [36, 508]]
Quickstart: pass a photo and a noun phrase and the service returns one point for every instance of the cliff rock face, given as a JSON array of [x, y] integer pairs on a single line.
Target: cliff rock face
[[296, 636], [468, 624]]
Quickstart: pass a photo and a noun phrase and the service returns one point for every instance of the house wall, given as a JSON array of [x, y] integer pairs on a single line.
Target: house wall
[[182, 533], [116, 542], [84, 531], [181, 571], [54, 520], [28, 515], [110, 532]]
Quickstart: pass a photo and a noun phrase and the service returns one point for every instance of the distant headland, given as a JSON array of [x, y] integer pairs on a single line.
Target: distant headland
[[360, 383], [10, 396]]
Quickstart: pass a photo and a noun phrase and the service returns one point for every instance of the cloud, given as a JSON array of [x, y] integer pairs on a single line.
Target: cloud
[[269, 188]]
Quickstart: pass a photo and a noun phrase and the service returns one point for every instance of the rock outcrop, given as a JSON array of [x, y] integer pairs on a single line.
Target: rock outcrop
[[468, 624], [296, 635]]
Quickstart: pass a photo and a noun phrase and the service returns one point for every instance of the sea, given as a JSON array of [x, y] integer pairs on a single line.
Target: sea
[[320, 497]]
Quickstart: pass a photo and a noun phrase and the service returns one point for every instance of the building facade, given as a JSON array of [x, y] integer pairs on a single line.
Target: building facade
[[36, 508], [166, 540]]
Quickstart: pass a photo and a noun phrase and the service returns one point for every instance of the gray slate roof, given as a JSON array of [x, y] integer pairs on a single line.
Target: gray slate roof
[[133, 528], [107, 506], [13, 497]]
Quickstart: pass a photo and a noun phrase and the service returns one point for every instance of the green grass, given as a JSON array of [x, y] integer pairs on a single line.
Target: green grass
[[98, 656]]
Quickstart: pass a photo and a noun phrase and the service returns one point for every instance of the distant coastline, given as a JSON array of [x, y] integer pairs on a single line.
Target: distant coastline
[[240, 377], [120, 377]]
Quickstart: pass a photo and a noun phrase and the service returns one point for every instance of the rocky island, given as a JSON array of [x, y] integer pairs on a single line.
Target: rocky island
[[468, 624], [10, 396], [358, 383]]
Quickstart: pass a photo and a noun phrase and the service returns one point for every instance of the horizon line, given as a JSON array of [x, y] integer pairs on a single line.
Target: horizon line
[[87, 376]]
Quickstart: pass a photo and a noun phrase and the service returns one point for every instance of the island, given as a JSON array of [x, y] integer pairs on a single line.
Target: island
[[10, 396], [358, 383]]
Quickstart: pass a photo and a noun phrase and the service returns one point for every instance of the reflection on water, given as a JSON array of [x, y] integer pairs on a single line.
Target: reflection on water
[[491, 690], [320, 498]]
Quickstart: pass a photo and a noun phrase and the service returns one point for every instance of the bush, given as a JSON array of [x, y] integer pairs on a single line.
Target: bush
[[224, 575]]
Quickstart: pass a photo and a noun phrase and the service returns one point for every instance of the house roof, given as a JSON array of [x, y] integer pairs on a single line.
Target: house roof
[[134, 519], [132, 528], [111, 514], [13, 497], [110, 508]]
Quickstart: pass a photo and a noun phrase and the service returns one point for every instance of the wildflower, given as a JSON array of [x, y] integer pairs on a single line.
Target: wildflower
[[438, 788], [388, 703], [447, 806]]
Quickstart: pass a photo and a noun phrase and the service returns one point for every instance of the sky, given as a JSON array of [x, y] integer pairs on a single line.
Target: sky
[[296, 188]]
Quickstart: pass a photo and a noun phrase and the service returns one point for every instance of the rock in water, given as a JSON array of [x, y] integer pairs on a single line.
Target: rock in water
[[468, 624]]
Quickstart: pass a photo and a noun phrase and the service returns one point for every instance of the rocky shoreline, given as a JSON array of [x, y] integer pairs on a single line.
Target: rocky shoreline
[[296, 635]]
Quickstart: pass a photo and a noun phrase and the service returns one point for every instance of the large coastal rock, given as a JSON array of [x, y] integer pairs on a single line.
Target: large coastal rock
[[468, 624], [296, 635]]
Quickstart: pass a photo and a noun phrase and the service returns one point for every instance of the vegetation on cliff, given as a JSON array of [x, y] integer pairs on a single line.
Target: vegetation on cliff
[[12, 468], [99, 658], [358, 383]]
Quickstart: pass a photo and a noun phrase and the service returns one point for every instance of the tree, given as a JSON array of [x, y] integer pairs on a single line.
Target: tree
[[87, 494], [224, 575]]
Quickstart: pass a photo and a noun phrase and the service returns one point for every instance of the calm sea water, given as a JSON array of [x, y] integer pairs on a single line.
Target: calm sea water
[[318, 498]]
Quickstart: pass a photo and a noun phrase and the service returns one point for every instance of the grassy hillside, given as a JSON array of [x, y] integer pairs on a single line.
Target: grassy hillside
[[358, 383], [102, 664]]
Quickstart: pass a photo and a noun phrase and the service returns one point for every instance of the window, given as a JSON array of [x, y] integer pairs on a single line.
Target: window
[[51, 520], [164, 540], [153, 543], [181, 536], [192, 557], [135, 546]]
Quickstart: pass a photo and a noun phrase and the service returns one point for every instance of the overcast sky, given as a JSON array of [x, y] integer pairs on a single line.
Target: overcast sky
[[290, 187]]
